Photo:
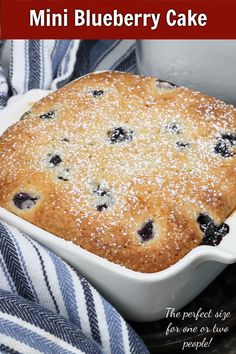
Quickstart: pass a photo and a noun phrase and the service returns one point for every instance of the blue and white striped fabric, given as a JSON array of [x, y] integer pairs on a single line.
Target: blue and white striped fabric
[[50, 64], [45, 306]]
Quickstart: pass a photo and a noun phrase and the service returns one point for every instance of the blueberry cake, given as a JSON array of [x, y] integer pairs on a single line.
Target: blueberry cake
[[131, 168]]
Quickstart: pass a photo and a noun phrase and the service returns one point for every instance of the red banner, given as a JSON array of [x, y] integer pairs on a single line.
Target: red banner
[[104, 19]]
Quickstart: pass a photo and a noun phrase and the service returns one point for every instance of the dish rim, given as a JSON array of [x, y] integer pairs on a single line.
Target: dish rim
[[196, 255]]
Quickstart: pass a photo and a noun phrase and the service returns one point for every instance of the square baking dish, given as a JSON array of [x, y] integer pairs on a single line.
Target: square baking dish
[[138, 296]]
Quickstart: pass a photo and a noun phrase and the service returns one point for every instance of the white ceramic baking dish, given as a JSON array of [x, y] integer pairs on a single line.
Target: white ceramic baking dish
[[138, 296]]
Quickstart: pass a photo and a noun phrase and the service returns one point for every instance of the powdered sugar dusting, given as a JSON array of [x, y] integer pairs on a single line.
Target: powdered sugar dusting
[[109, 190]]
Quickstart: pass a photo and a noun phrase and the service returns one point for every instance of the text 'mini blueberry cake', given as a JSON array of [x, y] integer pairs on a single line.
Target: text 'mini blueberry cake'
[[131, 168]]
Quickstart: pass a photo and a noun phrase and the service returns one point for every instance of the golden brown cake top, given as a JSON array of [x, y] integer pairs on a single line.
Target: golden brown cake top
[[131, 168]]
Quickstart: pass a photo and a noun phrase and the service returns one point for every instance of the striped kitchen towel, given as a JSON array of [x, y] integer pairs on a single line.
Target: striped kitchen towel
[[50, 64], [45, 306]]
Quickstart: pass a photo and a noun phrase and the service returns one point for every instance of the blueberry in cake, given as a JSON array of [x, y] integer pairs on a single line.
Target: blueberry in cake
[[131, 168]]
